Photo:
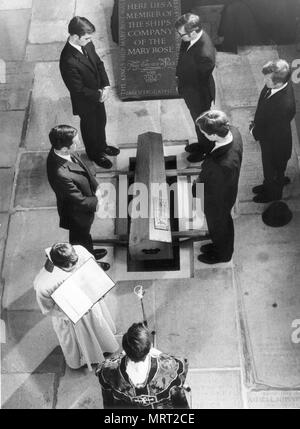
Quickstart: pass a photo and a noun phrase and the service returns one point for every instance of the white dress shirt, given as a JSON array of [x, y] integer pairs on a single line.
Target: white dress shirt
[[67, 157], [192, 42], [274, 90], [227, 140], [138, 371], [76, 47]]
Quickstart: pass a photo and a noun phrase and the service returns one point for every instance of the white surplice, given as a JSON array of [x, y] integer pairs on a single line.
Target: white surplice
[[85, 342]]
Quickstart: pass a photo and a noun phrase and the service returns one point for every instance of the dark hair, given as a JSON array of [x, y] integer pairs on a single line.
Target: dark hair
[[80, 26], [190, 22], [62, 136], [279, 69], [137, 342], [63, 255], [214, 122]]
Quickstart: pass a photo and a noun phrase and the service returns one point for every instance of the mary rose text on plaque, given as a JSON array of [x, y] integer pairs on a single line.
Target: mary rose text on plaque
[[149, 48]]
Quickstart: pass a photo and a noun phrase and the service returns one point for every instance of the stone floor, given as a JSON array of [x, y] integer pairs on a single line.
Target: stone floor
[[236, 323]]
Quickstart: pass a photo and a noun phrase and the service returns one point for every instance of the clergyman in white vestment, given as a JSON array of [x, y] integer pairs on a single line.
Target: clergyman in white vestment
[[87, 340]]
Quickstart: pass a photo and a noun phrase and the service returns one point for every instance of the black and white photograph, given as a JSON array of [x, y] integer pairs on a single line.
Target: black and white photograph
[[149, 207]]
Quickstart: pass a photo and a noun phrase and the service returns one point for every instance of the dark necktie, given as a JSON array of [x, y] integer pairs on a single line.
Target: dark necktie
[[268, 93], [85, 171], [87, 57], [77, 161], [84, 52]]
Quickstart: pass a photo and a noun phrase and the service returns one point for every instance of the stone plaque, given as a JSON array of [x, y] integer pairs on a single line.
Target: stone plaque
[[276, 399], [149, 47]]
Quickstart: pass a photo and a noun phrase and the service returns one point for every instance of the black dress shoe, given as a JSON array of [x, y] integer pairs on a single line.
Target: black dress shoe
[[208, 248], [259, 189], [104, 265], [210, 258], [99, 254], [262, 198], [193, 147], [103, 162], [196, 157], [111, 151]]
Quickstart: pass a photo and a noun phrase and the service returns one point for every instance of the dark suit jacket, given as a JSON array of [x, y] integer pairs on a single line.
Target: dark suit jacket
[[195, 67], [75, 188], [220, 175], [83, 77], [272, 122]]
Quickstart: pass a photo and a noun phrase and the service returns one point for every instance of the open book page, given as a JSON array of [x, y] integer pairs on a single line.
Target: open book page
[[79, 292]]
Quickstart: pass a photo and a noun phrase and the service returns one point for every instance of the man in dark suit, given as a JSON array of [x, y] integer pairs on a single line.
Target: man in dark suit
[[75, 188], [196, 84], [220, 176], [272, 128], [85, 77]]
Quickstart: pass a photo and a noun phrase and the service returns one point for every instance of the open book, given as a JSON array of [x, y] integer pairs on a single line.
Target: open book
[[82, 290]]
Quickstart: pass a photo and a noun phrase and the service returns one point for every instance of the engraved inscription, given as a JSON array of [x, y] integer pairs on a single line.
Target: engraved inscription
[[149, 48]]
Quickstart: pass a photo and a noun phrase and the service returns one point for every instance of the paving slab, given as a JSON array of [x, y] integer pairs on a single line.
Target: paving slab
[[48, 31], [257, 57], [32, 188], [251, 170], [125, 306], [215, 389], [6, 180], [11, 131], [91, 399], [250, 208], [44, 53], [43, 10], [35, 393], [270, 298], [50, 106], [242, 90], [18, 324], [15, 91], [3, 234], [103, 228], [79, 389], [206, 332], [171, 127], [53, 364], [9, 383], [15, 4], [127, 120], [250, 229], [274, 400], [241, 118], [99, 14], [30, 232], [30, 341], [13, 42]]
